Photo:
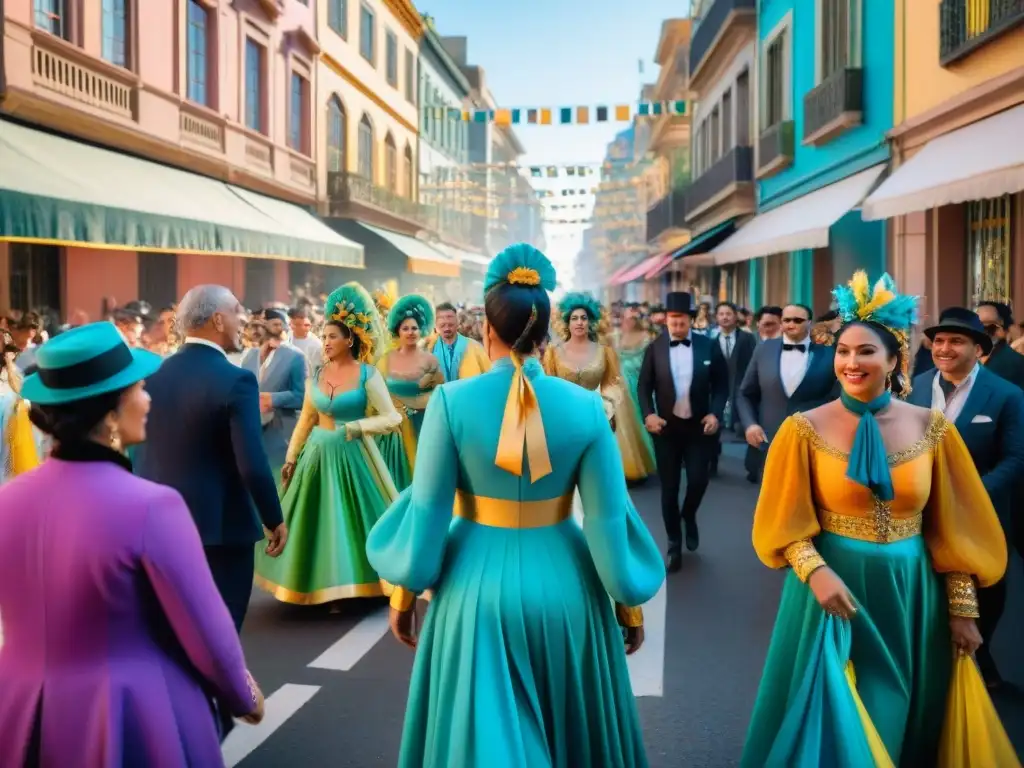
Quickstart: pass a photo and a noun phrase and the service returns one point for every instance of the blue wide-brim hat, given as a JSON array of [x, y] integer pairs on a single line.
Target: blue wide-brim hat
[[85, 362]]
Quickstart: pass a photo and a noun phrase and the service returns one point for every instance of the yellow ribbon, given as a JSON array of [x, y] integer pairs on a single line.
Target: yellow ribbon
[[522, 424]]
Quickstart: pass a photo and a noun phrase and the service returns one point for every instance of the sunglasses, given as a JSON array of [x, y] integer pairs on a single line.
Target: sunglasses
[[795, 320]]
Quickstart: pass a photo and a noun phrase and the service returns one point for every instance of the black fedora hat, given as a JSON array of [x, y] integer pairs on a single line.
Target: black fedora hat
[[679, 302], [963, 321]]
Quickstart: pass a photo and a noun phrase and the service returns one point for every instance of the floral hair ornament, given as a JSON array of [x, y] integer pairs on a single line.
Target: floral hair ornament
[[883, 306], [411, 306], [354, 308], [522, 427]]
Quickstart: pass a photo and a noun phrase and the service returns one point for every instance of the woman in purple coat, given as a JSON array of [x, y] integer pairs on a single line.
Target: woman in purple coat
[[114, 638]]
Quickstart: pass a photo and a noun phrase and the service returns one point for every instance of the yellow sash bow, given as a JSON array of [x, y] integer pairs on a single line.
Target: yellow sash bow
[[522, 424]]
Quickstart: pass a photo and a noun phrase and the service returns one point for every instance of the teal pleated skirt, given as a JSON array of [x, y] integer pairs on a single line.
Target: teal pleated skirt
[[520, 662], [392, 448], [900, 647]]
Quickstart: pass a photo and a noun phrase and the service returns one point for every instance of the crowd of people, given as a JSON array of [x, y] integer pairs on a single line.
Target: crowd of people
[[370, 446]]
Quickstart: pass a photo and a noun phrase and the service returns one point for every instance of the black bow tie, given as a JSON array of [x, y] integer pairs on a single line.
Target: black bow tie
[[677, 342], [947, 387], [794, 347]]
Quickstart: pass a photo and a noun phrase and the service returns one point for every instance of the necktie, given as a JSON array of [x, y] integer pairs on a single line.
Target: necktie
[[947, 387], [728, 345], [794, 347], [677, 342]]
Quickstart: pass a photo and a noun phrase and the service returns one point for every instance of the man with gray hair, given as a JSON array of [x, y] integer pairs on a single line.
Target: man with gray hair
[[206, 442]]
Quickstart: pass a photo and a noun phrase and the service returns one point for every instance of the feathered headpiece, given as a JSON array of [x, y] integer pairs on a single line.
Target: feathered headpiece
[[384, 301], [881, 306], [353, 307], [415, 306], [521, 264], [599, 322]]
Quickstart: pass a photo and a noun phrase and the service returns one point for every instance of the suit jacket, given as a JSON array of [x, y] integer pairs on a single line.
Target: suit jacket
[[208, 445], [992, 426], [1006, 363], [739, 360], [709, 389], [761, 398], [285, 381], [85, 538]]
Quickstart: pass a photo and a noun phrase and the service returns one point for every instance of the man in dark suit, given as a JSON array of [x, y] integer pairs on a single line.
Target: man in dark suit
[[785, 375], [1003, 360], [682, 387], [208, 444], [988, 412], [737, 348]]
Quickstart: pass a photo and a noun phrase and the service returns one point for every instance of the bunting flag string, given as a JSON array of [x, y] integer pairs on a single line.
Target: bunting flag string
[[618, 113]]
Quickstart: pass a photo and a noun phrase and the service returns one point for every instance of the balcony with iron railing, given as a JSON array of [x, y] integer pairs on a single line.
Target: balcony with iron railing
[[966, 25], [775, 149], [668, 213], [729, 172], [722, 20], [834, 106]]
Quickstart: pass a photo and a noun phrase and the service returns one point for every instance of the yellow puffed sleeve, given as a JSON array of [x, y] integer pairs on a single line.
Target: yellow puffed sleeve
[[611, 382], [963, 534], [24, 455], [786, 517], [308, 419], [550, 361], [474, 360]]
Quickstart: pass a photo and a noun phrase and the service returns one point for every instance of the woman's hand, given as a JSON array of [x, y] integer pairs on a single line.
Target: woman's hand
[[966, 637], [634, 639], [256, 716], [286, 473], [831, 593], [403, 626]]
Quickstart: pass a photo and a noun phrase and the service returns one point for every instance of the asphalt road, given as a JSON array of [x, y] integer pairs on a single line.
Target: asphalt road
[[337, 683]]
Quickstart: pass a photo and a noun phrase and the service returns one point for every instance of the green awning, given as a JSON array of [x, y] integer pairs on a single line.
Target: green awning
[[706, 240], [58, 191]]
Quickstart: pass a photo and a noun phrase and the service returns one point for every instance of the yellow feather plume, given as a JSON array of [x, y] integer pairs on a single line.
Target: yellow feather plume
[[861, 287]]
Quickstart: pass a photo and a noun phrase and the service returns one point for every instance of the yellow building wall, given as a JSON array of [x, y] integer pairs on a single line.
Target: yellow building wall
[[364, 89], [925, 83]]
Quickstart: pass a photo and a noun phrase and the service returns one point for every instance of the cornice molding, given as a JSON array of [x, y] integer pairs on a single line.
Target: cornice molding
[[407, 16], [335, 66]]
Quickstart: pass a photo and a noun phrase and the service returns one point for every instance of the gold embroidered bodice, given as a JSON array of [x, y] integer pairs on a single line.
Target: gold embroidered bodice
[[590, 376]]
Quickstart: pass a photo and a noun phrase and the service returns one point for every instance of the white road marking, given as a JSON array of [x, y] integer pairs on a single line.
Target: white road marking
[[245, 739], [354, 644]]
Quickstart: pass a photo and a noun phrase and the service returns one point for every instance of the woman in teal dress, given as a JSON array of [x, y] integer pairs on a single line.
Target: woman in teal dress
[[521, 660], [411, 374], [878, 509], [335, 483]]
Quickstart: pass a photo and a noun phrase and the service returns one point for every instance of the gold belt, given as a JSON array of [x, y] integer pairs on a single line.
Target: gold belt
[[879, 527], [507, 513]]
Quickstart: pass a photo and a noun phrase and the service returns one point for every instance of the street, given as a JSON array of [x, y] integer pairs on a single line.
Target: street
[[337, 684]]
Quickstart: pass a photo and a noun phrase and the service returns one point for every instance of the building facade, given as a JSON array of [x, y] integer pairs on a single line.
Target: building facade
[[825, 87], [953, 200], [722, 195], [218, 94]]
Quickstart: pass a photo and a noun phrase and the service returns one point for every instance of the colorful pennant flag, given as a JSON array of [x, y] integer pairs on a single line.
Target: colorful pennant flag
[[620, 113]]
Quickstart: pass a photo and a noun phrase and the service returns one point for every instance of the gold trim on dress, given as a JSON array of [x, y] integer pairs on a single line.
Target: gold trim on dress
[[803, 558], [937, 426], [962, 595], [509, 513], [402, 599], [320, 596], [522, 426], [629, 617], [880, 527]]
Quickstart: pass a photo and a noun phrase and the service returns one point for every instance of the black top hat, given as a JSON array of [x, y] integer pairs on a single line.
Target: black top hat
[[679, 302], [963, 321]]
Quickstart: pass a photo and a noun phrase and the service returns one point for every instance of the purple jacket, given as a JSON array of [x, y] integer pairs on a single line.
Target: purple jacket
[[113, 631]]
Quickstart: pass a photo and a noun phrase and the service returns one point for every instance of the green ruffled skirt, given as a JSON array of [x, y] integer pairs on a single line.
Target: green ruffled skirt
[[338, 492], [396, 458], [899, 645], [630, 381], [520, 661]]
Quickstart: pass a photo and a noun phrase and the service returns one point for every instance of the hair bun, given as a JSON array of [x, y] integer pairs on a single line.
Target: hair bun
[[521, 264]]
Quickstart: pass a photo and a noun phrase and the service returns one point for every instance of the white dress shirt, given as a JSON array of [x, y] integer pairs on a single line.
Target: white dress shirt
[[951, 408], [793, 365], [681, 359], [727, 341]]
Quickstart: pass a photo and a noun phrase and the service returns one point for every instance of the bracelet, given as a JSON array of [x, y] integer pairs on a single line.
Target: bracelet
[[962, 595], [402, 599], [804, 559], [253, 689], [629, 617], [353, 430]]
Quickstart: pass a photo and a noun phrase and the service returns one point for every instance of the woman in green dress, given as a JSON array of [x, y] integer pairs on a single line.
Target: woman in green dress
[[522, 659], [631, 340], [335, 483], [411, 374]]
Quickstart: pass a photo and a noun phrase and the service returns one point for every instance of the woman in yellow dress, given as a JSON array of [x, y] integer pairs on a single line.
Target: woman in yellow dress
[[586, 357], [878, 509], [411, 374], [631, 340]]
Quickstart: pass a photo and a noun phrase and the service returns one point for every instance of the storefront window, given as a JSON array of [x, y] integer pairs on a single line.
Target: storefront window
[[989, 249]]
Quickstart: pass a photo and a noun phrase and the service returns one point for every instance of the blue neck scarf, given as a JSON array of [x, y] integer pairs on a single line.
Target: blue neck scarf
[[869, 465]]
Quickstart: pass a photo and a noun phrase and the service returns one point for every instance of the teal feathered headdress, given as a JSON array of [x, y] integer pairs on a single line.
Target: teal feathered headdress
[[521, 264], [597, 315], [415, 306], [883, 306], [353, 306]]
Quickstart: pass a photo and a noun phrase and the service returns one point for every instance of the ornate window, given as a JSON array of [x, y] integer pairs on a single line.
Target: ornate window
[[115, 32], [390, 163], [336, 139], [366, 148], [197, 61], [989, 247], [410, 185]]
